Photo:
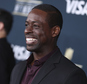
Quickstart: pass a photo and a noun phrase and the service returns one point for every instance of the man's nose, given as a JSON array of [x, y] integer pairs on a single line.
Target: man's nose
[[29, 29]]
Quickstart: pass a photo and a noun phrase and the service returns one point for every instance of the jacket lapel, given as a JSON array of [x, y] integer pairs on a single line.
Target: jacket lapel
[[48, 66], [21, 72]]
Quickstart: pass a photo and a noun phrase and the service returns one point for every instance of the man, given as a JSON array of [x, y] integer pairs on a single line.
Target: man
[[7, 60], [46, 65]]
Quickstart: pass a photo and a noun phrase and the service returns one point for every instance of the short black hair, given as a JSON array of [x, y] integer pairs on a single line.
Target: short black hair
[[54, 16], [7, 18]]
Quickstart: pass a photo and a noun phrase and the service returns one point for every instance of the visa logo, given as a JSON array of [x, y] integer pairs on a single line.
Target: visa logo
[[76, 7]]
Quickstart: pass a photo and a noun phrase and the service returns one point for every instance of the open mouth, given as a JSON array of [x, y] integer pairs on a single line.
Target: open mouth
[[30, 40]]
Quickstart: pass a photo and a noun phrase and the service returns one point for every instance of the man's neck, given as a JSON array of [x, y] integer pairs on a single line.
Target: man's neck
[[2, 35], [39, 55]]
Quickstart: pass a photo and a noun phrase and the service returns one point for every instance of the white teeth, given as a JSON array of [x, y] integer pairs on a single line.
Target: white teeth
[[30, 39]]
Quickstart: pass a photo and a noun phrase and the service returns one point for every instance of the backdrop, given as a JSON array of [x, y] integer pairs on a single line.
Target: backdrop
[[73, 37]]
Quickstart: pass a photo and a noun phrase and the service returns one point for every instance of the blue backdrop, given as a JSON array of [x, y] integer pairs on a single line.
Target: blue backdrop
[[73, 37]]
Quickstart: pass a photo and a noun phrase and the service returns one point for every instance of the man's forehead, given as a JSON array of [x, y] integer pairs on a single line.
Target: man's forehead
[[37, 16], [37, 11]]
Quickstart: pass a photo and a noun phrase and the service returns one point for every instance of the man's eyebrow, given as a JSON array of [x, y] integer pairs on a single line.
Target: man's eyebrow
[[26, 21], [33, 22], [36, 22]]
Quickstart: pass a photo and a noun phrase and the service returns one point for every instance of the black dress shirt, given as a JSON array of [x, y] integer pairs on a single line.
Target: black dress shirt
[[7, 61]]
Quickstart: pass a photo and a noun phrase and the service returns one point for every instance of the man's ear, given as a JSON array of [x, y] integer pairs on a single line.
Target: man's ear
[[1, 25], [55, 31]]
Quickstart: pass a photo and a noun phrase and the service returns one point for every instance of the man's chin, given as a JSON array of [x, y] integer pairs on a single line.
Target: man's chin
[[30, 48]]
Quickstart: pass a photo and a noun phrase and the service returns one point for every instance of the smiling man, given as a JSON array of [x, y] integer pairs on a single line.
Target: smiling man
[[46, 64]]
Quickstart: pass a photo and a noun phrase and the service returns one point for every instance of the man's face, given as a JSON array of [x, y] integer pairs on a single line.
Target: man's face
[[37, 31]]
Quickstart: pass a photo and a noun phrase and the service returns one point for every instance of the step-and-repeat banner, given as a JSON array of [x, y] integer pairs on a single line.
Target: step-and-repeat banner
[[73, 38]]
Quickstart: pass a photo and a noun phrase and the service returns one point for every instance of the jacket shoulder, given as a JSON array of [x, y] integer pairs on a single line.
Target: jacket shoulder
[[17, 72]]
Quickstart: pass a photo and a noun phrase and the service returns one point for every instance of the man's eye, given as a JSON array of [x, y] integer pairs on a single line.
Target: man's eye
[[36, 26], [26, 25]]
